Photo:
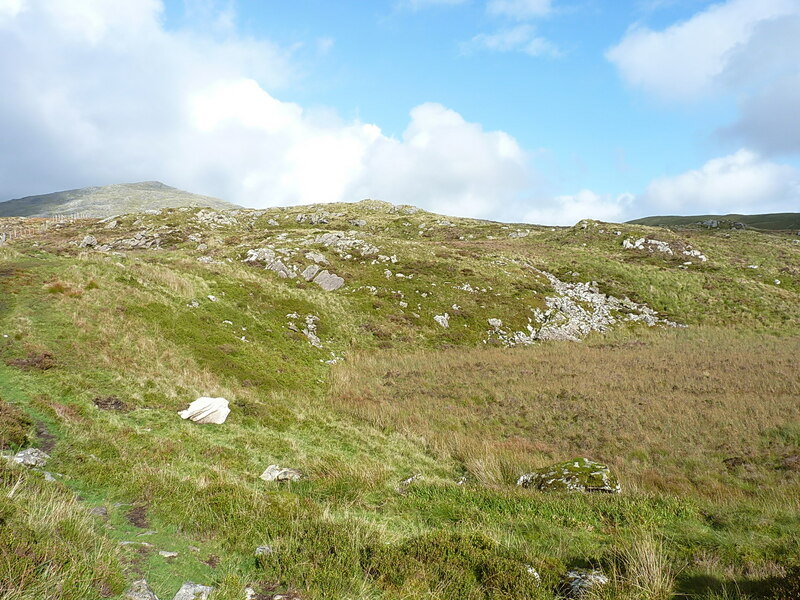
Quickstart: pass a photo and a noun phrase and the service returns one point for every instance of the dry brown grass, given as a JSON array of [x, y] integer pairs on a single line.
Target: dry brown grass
[[666, 408]]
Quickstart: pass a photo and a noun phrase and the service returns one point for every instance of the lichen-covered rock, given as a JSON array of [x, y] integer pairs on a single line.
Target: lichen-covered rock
[[328, 281], [577, 475], [193, 591], [277, 473], [31, 457], [140, 590], [88, 242], [310, 272], [207, 411], [579, 583]]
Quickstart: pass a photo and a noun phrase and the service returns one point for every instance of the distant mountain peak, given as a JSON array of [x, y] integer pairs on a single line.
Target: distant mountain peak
[[103, 201]]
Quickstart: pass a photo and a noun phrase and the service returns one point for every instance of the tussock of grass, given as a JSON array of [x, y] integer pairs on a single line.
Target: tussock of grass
[[49, 546]]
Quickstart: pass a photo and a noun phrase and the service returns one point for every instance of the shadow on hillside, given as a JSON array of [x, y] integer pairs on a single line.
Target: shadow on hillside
[[705, 585]]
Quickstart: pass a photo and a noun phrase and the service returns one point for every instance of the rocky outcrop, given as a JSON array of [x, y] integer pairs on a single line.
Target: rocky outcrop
[[573, 312], [577, 475], [207, 411]]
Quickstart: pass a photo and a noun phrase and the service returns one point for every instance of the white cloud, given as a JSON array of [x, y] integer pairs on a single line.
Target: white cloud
[[686, 60], [521, 38], [519, 9], [586, 204], [743, 182], [94, 95]]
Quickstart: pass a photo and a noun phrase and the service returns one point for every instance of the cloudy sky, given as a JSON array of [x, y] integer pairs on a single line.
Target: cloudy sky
[[543, 111]]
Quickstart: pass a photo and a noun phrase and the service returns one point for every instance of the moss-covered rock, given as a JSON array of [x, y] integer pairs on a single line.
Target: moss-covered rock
[[576, 475]]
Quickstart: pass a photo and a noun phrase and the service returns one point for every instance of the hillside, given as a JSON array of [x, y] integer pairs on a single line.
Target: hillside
[[411, 367], [771, 221], [108, 200]]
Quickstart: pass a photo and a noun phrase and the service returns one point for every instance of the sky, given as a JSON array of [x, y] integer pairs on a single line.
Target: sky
[[539, 111]]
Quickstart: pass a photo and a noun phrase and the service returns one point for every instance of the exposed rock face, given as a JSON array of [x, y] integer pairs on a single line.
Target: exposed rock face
[[578, 475], [140, 590], [31, 457], [193, 591], [276, 473], [328, 281], [579, 583], [207, 411], [573, 312]]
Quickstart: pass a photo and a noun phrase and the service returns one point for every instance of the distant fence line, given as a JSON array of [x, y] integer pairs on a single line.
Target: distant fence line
[[43, 224]]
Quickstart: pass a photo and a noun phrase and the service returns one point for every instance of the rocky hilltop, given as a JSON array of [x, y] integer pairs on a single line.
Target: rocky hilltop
[[108, 200], [373, 401]]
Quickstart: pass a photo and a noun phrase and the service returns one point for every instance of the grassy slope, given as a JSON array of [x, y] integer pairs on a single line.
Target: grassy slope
[[107, 200], [771, 221], [409, 398]]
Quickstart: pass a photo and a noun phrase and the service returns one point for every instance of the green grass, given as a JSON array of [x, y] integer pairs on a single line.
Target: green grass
[[409, 397]]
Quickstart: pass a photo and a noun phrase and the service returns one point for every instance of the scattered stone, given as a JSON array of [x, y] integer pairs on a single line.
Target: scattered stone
[[695, 254], [143, 544], [167, 554], [213, 298], [276, 473], [140, 590], [403, 486], [647, 244], [710, 223], [533, 573], [88, 242], [48, 476], [193, 591], [310, 331], [580, 583], [358, 222], [495, 324], [99, 511], [578, 475], [31, 457], [111, 224], [443, 320], [263, 551], [328, 281], [310, 272], [207, 411], [272, 223]]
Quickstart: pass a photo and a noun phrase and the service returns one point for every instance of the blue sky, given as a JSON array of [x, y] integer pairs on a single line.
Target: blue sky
[[527, 110]]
